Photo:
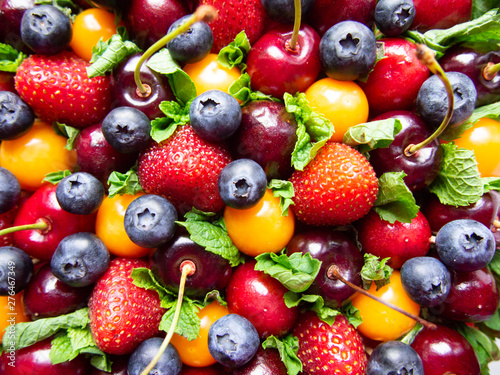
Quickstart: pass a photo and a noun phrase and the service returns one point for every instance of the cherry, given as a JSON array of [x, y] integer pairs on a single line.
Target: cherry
[[259, 298], [267, 135], [11, 13], [7, 82], [265, 361], [439, 14]]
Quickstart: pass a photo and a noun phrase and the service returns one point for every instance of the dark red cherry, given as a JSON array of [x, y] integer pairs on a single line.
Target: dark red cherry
[[275, 68], [422, 167], [118, 367], [11, 12], [264, 362], [440, 14], [7, 82]]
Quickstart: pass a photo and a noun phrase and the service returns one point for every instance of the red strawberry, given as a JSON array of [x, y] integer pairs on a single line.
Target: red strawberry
[[337, 187], [184, 169], [233, 17], [58, 89], [326, 350], [123, 315]]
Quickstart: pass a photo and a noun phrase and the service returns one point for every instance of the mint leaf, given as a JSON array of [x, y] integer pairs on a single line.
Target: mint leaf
[[296, 272], [459, 182], [491, 183], [375, 270], [67, 132], [124, 183], [144, 278], [480, 7], [395, 202], [189, 321], [61, 349], [10, 58], [494, 265], [101, 362], [373, 134], [352, 314], [284, 190], [56, 177], [288, 349], [313, 130], [176, 115], [66, 6], [410, 336], [182, 85], [485, 347], [242, 91], [235, 53], [325, 313]]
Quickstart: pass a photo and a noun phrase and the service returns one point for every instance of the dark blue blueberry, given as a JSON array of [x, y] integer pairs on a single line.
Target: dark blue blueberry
[[150, 220], [432, 100], [394, 357], [80, 193], [10, 190], [16, 269], [16, 117], [80, 259], [168, 364], [127, 129], [192, 45], [284, 10], [46, 29], [394, 17], [215, 115], [242, 183], [465, 245], [348, 50], [426, 280], [233, 340]]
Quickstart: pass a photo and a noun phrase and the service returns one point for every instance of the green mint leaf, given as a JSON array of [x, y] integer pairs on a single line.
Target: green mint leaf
[[459, 182], [213, 296], [352, 314], [145, 278], [182, 85], [29, 333], [10, 58], [380, 55], [317, 304], [66, 6], [296, 272], [287, 348], [101, 362], [67, 132], [480, 7], [242, 91], [61, 349], [284, 190], [107, 55], [124, 183], [395, 202], [484, 346], [56, 177], [189, 321], [375, 270], [410, 336], [494, 264], [313, 130], [490, 111], [176, 115], [235, 53], [491, 183], [198, 215], [373, 134], [493, 322]]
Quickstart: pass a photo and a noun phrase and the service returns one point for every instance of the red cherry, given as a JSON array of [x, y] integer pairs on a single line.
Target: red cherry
[[440, 14]]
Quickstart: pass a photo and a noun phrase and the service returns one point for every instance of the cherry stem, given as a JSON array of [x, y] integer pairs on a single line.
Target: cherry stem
[[40, 225], [490, 71], [187, 268], [428, 58], [296, 26], [206, 13], [334, 272]]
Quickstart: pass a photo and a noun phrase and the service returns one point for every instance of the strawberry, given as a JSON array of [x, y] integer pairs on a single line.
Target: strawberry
[[337, 187], [233, 16], [57, 88], [326, 350], [184, 169], [123, 315]]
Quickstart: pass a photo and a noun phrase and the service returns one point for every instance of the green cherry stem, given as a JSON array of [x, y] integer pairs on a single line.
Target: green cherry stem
[[490, 71], [41, 224], [428, 58], [296, 26], [187, 268], [206, 13]]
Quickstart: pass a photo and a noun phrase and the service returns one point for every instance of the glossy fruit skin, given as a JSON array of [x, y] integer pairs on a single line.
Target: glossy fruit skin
[[399, 241], [444, 350], [192, 45], [381, 323], [331, 248], [11, 13], [10, 190], [16, 270], [264, 362], [284, 10], [393, 17], [432, 14], [275, 69], [38, 152], [16, 117], [43, 206], [400, 64], [394, 357], [342, 102], [259, 298], [80, 193], [260, 228], [168, 364]]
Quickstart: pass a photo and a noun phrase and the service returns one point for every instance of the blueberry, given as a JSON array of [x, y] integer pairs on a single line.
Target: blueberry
[[16, 269], [168, 364], [80, 259], [215, 115], [242, 183], [426, 280], [432, 100], [394, 357], [465, 245], [348, 50], [284, 10], [394, 17], [16, 117], [127, 129], [46, 29], [192, 45], [10, 190], [233, 340], [80, 193], [150, 220]]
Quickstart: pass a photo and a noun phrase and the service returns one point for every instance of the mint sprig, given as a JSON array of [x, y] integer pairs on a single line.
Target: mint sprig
[[242, 91], [10, 58], [235, 53], [66, 131], [176, 115], [375, 270], [284, 190], [56, 177], [124, 183], [371, 135], [484, 346], [288, 347]]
